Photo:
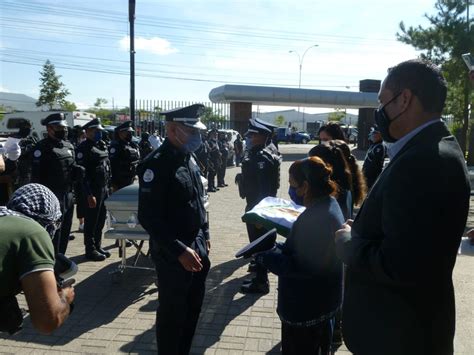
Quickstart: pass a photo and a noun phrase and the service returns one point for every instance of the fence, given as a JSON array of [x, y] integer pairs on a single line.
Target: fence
[[148, 118]]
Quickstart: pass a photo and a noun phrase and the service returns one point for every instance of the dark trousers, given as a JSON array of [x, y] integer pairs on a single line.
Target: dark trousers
[[94, 221], [180, 299], [211, 179], [80, 201], [314, 340], [221, 172], [61, 237], [261, 272]]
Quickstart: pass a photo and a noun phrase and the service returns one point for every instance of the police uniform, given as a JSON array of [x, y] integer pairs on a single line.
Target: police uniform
[[215, 160], [202, 156], [124, 156], [260, 178], [27, 142], [373, 162], [171, 209], [93, 156], [54, 166], [145, 145], [224, 149]]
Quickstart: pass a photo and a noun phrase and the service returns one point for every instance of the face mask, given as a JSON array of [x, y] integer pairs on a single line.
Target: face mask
[[248, 143], [128, 137], [97, 136], [192, 141], [24, 132], [294, 196], [60, 134], [383, 121]]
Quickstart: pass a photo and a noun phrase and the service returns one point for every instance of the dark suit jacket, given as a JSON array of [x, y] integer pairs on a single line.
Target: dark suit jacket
[[399, 296]]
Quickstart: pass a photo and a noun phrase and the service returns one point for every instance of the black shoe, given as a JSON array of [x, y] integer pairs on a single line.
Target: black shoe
[[212, 189], [104, 252], [94, 255], [255, 286], [71, 237], [252, 267]]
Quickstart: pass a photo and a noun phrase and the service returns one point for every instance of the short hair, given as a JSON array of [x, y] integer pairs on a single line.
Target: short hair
[[423, 79], [318, 175], [334, 130]]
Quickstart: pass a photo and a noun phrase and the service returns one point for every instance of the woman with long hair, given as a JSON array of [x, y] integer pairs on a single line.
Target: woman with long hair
[[341, 174], [359, 185], [309, 273]]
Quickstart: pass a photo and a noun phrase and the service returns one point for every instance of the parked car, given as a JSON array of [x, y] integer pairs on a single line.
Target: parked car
[[295, 137]]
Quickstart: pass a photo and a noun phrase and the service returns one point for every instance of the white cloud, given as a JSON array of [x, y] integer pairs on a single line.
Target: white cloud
[[3, 89], [155, 45]]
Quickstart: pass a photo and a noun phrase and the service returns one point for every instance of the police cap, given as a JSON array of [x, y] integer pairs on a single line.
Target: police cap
[[374, 128], [265, 242], [56, 119], [94, 123], [125, 126], [270, 126], [257, 128], [188, 116]]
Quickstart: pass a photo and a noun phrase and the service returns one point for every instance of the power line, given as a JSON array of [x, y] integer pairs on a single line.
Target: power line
[[75, 67]]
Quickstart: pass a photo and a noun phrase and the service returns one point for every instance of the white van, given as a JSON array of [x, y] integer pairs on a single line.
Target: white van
[[11, 121]]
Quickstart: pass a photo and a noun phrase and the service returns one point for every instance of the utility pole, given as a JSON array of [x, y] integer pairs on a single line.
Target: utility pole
[[131, 18]]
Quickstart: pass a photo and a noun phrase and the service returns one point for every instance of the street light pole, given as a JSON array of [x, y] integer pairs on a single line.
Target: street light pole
[[300, 61]]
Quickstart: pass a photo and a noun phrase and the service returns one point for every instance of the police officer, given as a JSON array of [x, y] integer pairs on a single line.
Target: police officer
[[224, 149], [145, 145], [202, 156], [93, 156], [24, 162], [171, 209], [260, 178], [54, 166], [373, 163], [215, 160], [124, 156]]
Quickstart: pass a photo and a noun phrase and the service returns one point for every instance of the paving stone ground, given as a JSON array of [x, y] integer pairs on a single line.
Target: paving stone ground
[[119, 317]]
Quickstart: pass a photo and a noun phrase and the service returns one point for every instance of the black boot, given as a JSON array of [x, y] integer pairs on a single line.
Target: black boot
[[256, 286], [103, 252], [94, 255]]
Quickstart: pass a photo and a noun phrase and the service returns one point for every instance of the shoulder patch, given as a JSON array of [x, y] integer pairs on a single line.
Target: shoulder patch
[[148, 175], [112, 150], [80, 155], [37, 153]]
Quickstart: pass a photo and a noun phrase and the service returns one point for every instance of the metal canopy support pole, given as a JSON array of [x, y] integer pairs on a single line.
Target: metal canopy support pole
[[131, 18]]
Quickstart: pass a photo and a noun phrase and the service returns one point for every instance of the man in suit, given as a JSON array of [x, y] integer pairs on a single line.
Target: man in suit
[[401, 249]]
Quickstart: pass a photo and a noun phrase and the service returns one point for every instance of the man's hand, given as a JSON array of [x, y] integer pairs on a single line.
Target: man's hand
[[190, 260], [91, 201], [345, 230]]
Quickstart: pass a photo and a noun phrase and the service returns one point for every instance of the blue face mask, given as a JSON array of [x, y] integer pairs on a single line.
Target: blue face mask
[[248, 143], [192, 143], [97, 136], [294, 196]]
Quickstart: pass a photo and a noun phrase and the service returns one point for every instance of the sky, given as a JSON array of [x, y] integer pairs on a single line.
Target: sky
[[184, 49]]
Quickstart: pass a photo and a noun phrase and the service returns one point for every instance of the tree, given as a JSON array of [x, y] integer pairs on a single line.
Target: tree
[[68, 106], [211, 118], [52, 90], [448, 36], [280, 120], [337, 115], [99, 102]]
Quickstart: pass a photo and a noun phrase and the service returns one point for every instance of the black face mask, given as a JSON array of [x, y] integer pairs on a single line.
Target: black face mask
[[383, 121], [24, 132], [60, 134], [128, 137]]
